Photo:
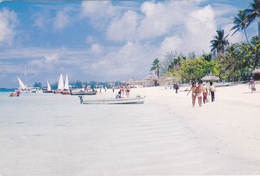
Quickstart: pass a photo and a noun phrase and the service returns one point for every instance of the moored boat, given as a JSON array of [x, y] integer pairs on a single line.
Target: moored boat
[[136, 100], [23, 88], [60, 85], [36, 90], [48, 88], [66, 90]]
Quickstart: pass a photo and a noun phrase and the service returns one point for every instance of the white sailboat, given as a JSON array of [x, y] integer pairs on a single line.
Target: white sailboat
[[23, 87], [66, 86], [60, 85], [48, 88]]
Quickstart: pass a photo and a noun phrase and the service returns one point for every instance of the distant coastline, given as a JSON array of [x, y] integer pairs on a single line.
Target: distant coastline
[[7, 89]]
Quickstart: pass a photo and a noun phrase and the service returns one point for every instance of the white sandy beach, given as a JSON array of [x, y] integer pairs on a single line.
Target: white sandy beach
[[231, 123], [57, 136]]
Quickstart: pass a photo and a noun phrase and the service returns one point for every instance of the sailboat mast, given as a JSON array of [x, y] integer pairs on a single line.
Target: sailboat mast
[[25, 76]]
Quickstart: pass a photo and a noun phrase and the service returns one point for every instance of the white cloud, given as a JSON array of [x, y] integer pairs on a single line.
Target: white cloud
[[61, 20], [39, 19], [52, 57], [96, 48], [99, 12], [200, 27], [131, 59], [124, 28], [173, 43], [8, 21], [90, 39], [195, 34]]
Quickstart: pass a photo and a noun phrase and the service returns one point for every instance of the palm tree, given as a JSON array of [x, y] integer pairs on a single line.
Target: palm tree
[[207, 57], [156, 66], [219, 42], [254, 13], [240, 22]]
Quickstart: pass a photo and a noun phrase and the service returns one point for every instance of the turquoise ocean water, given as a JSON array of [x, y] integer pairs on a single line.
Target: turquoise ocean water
[[55, 135]]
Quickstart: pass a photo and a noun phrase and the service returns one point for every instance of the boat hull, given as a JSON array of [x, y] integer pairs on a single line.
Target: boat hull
[[57, 92], [138, 100], [48, 91], [83, 93], [65, 92]]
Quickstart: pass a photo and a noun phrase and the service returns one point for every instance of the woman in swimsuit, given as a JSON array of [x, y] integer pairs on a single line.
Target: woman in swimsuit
[[200, 91], [194, 93]]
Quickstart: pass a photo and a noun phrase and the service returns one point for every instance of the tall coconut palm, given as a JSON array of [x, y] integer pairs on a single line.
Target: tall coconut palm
[[240, 22], [219, 42], [156, 66], [254, 13]]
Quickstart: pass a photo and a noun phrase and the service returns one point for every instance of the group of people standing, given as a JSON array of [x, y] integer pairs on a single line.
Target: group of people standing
[[201, 92], [123, 89]]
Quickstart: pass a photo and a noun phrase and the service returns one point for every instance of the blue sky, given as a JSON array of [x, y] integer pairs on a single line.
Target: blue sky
[[105, 40]]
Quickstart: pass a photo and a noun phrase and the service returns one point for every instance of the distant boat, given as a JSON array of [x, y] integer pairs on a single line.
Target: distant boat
[[83, 92], [60, 85], [36, 90], [48, 88], [137, 100], [23, 88], [66, 90]]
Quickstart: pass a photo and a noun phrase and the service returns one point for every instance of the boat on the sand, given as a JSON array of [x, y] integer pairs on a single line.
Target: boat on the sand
[[136, 100], [15, 94]]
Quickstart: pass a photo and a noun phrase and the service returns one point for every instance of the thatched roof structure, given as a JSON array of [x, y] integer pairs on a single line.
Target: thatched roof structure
[[256, 71], [210, 77]]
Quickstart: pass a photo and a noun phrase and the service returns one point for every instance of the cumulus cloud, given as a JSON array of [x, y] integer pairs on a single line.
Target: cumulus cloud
[[122, 29], [131, 59], [8, 21]]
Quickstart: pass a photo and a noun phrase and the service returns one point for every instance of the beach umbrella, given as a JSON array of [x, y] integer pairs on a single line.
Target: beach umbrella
[[256, 71], [210, 77]]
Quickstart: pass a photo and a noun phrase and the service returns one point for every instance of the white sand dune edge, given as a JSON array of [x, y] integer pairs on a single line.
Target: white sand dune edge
[[231, 122]]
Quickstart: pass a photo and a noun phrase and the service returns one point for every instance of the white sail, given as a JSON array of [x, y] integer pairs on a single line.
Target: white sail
[[66, 86], [22, 86], [61, 85], [48, 86]]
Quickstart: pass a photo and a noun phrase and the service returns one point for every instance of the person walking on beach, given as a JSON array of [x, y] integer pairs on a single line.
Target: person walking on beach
[[193, 89], [128, 90], [176, 87], [200, 91], [205, 93], [212, 91], [252, 84]]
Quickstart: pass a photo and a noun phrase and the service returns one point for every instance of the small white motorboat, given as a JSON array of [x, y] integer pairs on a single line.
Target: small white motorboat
[[136, 100]]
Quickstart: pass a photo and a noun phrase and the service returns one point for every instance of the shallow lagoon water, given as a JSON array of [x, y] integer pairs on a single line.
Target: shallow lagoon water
[[48, 134]]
